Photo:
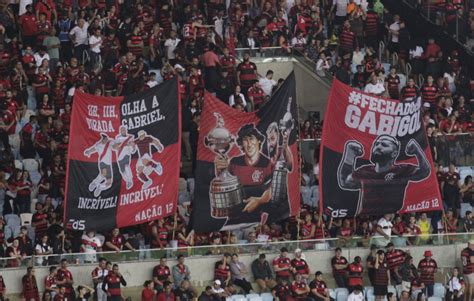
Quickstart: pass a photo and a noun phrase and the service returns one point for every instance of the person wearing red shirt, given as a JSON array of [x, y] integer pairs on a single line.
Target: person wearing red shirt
[[148, 293], [64, 278], [300, 289], [116, 242], [167, 293], [427, 268], [48, 8], [395, 259], [467, 259], [161, 274], [30, 286], [3, 288], [29, 26], [112, 283], [282, 264], [355, 272], [256, 95], [339, 266], [299, 266], [50, 281], [318, 289], [211, 63]]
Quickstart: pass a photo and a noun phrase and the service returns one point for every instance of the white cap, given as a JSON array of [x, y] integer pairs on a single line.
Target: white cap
[[298, 251], [217, 281]]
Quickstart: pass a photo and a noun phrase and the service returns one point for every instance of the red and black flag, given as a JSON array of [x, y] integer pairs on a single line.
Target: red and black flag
[[123, 158], [375, 157], [248, 164]]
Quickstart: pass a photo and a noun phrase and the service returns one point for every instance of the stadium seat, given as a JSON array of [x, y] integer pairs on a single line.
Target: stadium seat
[[258, 298], [266, 296], [392, 289], [332, 293], [250, 296], [368, 290], [26, 219], [239, 298], [33, 205], [18, 164], [12, 220], [439, 290], [30, 165], [341, 295], [306, 194], [435, 299], [341, 289], [191, 185]]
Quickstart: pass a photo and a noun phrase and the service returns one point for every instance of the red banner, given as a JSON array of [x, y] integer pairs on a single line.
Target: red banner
[[247, 163], [123, 158], [375, 156]]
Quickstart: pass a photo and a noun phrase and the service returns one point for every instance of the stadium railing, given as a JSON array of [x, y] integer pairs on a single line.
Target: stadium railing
[[243, 247]]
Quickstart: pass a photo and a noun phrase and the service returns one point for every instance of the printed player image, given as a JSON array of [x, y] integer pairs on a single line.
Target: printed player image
[[252, 186], [383, 179], [104, 178]]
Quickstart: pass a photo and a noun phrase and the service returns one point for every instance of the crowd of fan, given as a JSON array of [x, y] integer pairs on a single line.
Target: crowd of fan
[[113, 48], [286, 279]]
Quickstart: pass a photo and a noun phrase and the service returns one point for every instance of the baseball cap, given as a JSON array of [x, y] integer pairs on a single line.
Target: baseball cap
[[217, 281]]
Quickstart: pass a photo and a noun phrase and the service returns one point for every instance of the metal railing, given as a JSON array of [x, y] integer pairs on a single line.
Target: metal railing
[[243, 247]]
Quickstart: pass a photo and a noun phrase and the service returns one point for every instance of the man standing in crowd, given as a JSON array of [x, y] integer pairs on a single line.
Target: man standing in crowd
[[299, 265], [427, 268], [64, 278], [161, 274], [98, 276], [246, 73], [282, 265], [395, 259], [111, 284], [30, 286], [355, 271], [262, 273], [467, 259], [339, 266], [79, 37], [267, 83], [382, 276]]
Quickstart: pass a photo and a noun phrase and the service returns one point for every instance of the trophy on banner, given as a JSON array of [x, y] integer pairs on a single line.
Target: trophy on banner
[[280, 174], [225, 191]]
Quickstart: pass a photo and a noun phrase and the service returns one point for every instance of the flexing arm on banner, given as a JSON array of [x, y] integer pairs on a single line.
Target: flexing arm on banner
[[352, 151], [423, 169]]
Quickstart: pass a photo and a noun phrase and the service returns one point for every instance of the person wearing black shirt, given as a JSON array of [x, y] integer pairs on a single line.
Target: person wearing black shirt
[[84, 293], [207, 295], [184, 292]]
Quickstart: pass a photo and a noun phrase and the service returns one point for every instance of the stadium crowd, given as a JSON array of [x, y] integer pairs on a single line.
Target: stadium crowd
[[49, 49]]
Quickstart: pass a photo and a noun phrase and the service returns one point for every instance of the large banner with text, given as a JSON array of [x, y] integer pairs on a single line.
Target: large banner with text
[[123, 158], [248, 169], [375, 156]]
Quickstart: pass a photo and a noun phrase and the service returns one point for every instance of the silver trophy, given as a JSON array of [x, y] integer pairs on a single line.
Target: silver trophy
[[280, 174], [225, 191]]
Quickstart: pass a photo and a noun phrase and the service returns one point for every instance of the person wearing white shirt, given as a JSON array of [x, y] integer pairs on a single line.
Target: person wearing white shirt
[[340, 8], [79, 36], [267, 83], [375, 86], [40, 56], [237, 98], [95, 42], [171, 45], [356, 295], [384, 228]]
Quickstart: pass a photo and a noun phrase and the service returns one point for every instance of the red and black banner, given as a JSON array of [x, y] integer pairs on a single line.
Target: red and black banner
[[123, 158], [375, 156], [248, 164]]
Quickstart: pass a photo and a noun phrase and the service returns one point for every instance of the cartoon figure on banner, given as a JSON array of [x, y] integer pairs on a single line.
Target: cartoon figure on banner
[[261, 197], [225, 192], [123, 146], [383, 182], [104, 179], [145, 164]]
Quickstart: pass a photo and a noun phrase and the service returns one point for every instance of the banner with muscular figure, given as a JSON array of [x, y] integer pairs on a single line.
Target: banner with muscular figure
[[248, 164], [375, 156], [123, 158]]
